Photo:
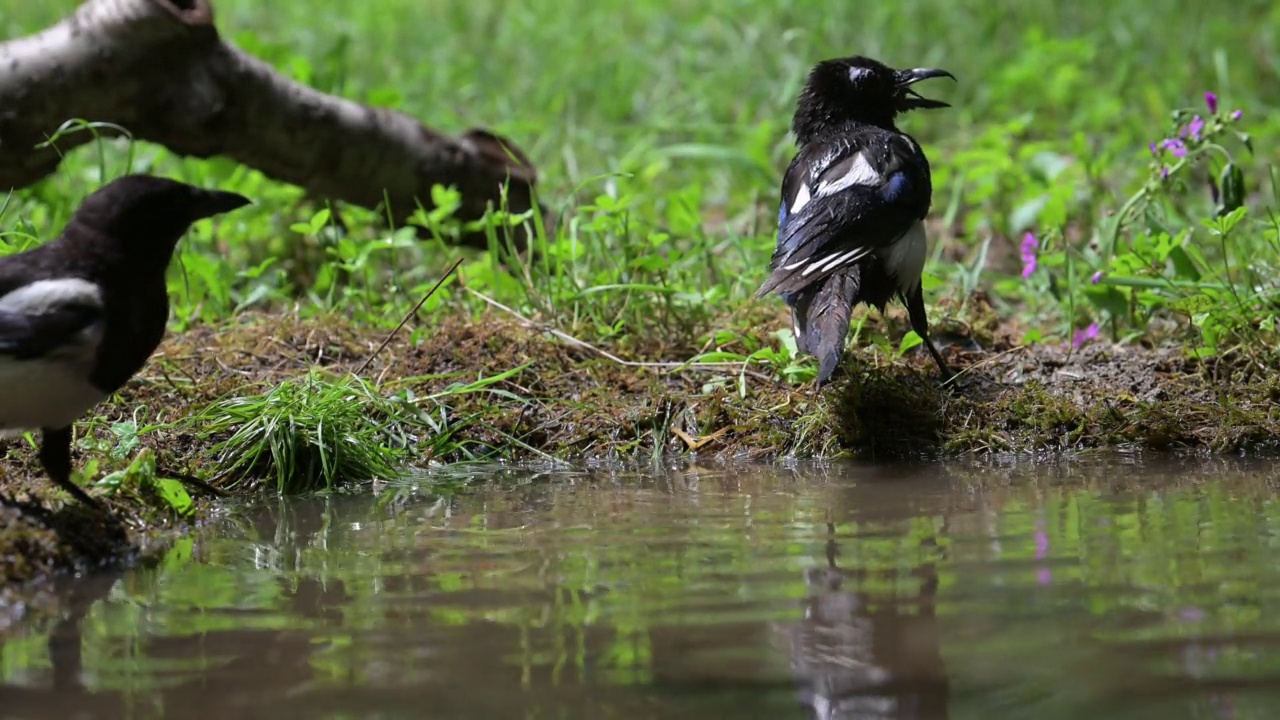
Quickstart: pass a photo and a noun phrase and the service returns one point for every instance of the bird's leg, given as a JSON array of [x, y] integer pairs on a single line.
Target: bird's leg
[[55, 457], [920, 323]]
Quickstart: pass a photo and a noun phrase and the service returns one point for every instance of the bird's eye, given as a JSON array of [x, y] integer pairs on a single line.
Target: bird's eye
[[857, 73]]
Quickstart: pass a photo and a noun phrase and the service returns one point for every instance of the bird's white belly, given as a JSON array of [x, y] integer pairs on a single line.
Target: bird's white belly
[[904, 258], [45, 392]]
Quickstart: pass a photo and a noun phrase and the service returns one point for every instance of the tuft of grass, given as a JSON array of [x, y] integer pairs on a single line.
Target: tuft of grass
[[317, 431]]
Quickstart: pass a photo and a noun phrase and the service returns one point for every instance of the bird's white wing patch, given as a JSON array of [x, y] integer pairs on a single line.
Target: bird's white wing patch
[[828, 262], [859, 172], [42, 393], [904, 258], [54, 390], [802, 198], [43, 295]]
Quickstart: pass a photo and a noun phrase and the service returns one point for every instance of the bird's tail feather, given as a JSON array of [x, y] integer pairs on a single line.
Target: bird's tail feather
[[821, 316]]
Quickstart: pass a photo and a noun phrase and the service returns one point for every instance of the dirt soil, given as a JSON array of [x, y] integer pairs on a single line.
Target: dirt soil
[[573, 403]]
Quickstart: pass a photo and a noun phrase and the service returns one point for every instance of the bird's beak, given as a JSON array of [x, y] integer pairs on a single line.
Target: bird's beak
[[909, 99], [215, 202]]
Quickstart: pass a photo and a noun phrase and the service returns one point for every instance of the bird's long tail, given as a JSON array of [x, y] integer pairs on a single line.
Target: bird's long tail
[[821, 314]]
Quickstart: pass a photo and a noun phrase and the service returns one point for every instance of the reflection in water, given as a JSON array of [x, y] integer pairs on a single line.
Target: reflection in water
[[868, 657], [65, 694], [925, 592]]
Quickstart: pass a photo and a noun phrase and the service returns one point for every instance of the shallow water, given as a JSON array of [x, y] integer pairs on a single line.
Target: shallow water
[[1090, 589]]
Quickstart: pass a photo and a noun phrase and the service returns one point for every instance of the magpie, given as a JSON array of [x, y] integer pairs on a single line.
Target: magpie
[[81, 315], [850, 223]]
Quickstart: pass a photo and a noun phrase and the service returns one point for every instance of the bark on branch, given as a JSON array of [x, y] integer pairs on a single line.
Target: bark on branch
[[160, 69]]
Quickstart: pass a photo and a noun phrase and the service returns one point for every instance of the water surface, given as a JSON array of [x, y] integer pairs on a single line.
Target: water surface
[[1105, 588]]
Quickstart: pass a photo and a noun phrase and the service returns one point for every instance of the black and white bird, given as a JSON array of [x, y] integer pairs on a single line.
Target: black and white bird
[[81, 315], [850, 225]]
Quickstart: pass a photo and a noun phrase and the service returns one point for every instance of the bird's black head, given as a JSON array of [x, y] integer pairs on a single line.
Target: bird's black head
[[144, 216], [858, 89]]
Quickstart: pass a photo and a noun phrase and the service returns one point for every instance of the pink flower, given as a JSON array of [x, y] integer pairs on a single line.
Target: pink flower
[[1029, 247], [1083, 336], [1211, 101], [1237, 114], [1097, 277]]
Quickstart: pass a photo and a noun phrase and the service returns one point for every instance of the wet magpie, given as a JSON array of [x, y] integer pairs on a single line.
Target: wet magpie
[[81, 314], [850, 224]]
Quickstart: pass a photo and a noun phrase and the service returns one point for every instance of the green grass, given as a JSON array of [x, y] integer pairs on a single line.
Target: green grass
[[310, 433], [660, 132]]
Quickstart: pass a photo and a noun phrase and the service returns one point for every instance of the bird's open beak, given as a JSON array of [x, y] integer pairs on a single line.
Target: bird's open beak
[[909, 99]]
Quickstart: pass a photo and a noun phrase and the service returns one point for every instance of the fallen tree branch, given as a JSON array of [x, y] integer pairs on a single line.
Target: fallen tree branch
[[160, 69]]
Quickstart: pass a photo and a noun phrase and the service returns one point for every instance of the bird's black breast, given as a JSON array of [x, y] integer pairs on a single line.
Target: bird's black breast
[[137, 312]]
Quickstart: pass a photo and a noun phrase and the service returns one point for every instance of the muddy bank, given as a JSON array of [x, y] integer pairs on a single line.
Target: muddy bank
[[571, 402]]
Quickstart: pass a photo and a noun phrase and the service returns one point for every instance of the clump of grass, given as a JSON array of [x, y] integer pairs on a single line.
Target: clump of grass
[[311, 432]]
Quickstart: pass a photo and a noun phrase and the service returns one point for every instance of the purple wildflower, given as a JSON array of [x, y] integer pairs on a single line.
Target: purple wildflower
[[1237, 114], [1211, 101], [1164, 173], [1175, 147], [1154, 150], [1194, 128], [1097, 277], [1083, 336], [1029, 247]]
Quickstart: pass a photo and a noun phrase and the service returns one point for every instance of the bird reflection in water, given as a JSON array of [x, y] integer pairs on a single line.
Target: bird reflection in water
[[865, 655]]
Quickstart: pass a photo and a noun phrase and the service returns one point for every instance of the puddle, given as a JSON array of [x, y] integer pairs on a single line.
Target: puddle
[[1103, 589]]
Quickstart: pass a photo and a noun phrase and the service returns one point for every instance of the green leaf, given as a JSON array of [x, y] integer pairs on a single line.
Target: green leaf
[[1225, 224], [1193, 305], [1231, 180], [175, 494], [319, 220], [910, 340], [1245, 140], [1109, 299], [788, 341], [1183, 265]]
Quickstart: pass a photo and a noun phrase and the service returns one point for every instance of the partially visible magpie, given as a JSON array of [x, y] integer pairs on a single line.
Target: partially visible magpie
[[853, 200], [81, 315]]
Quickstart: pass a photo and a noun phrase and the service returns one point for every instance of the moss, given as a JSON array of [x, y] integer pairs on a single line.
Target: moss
[[569, 402]]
